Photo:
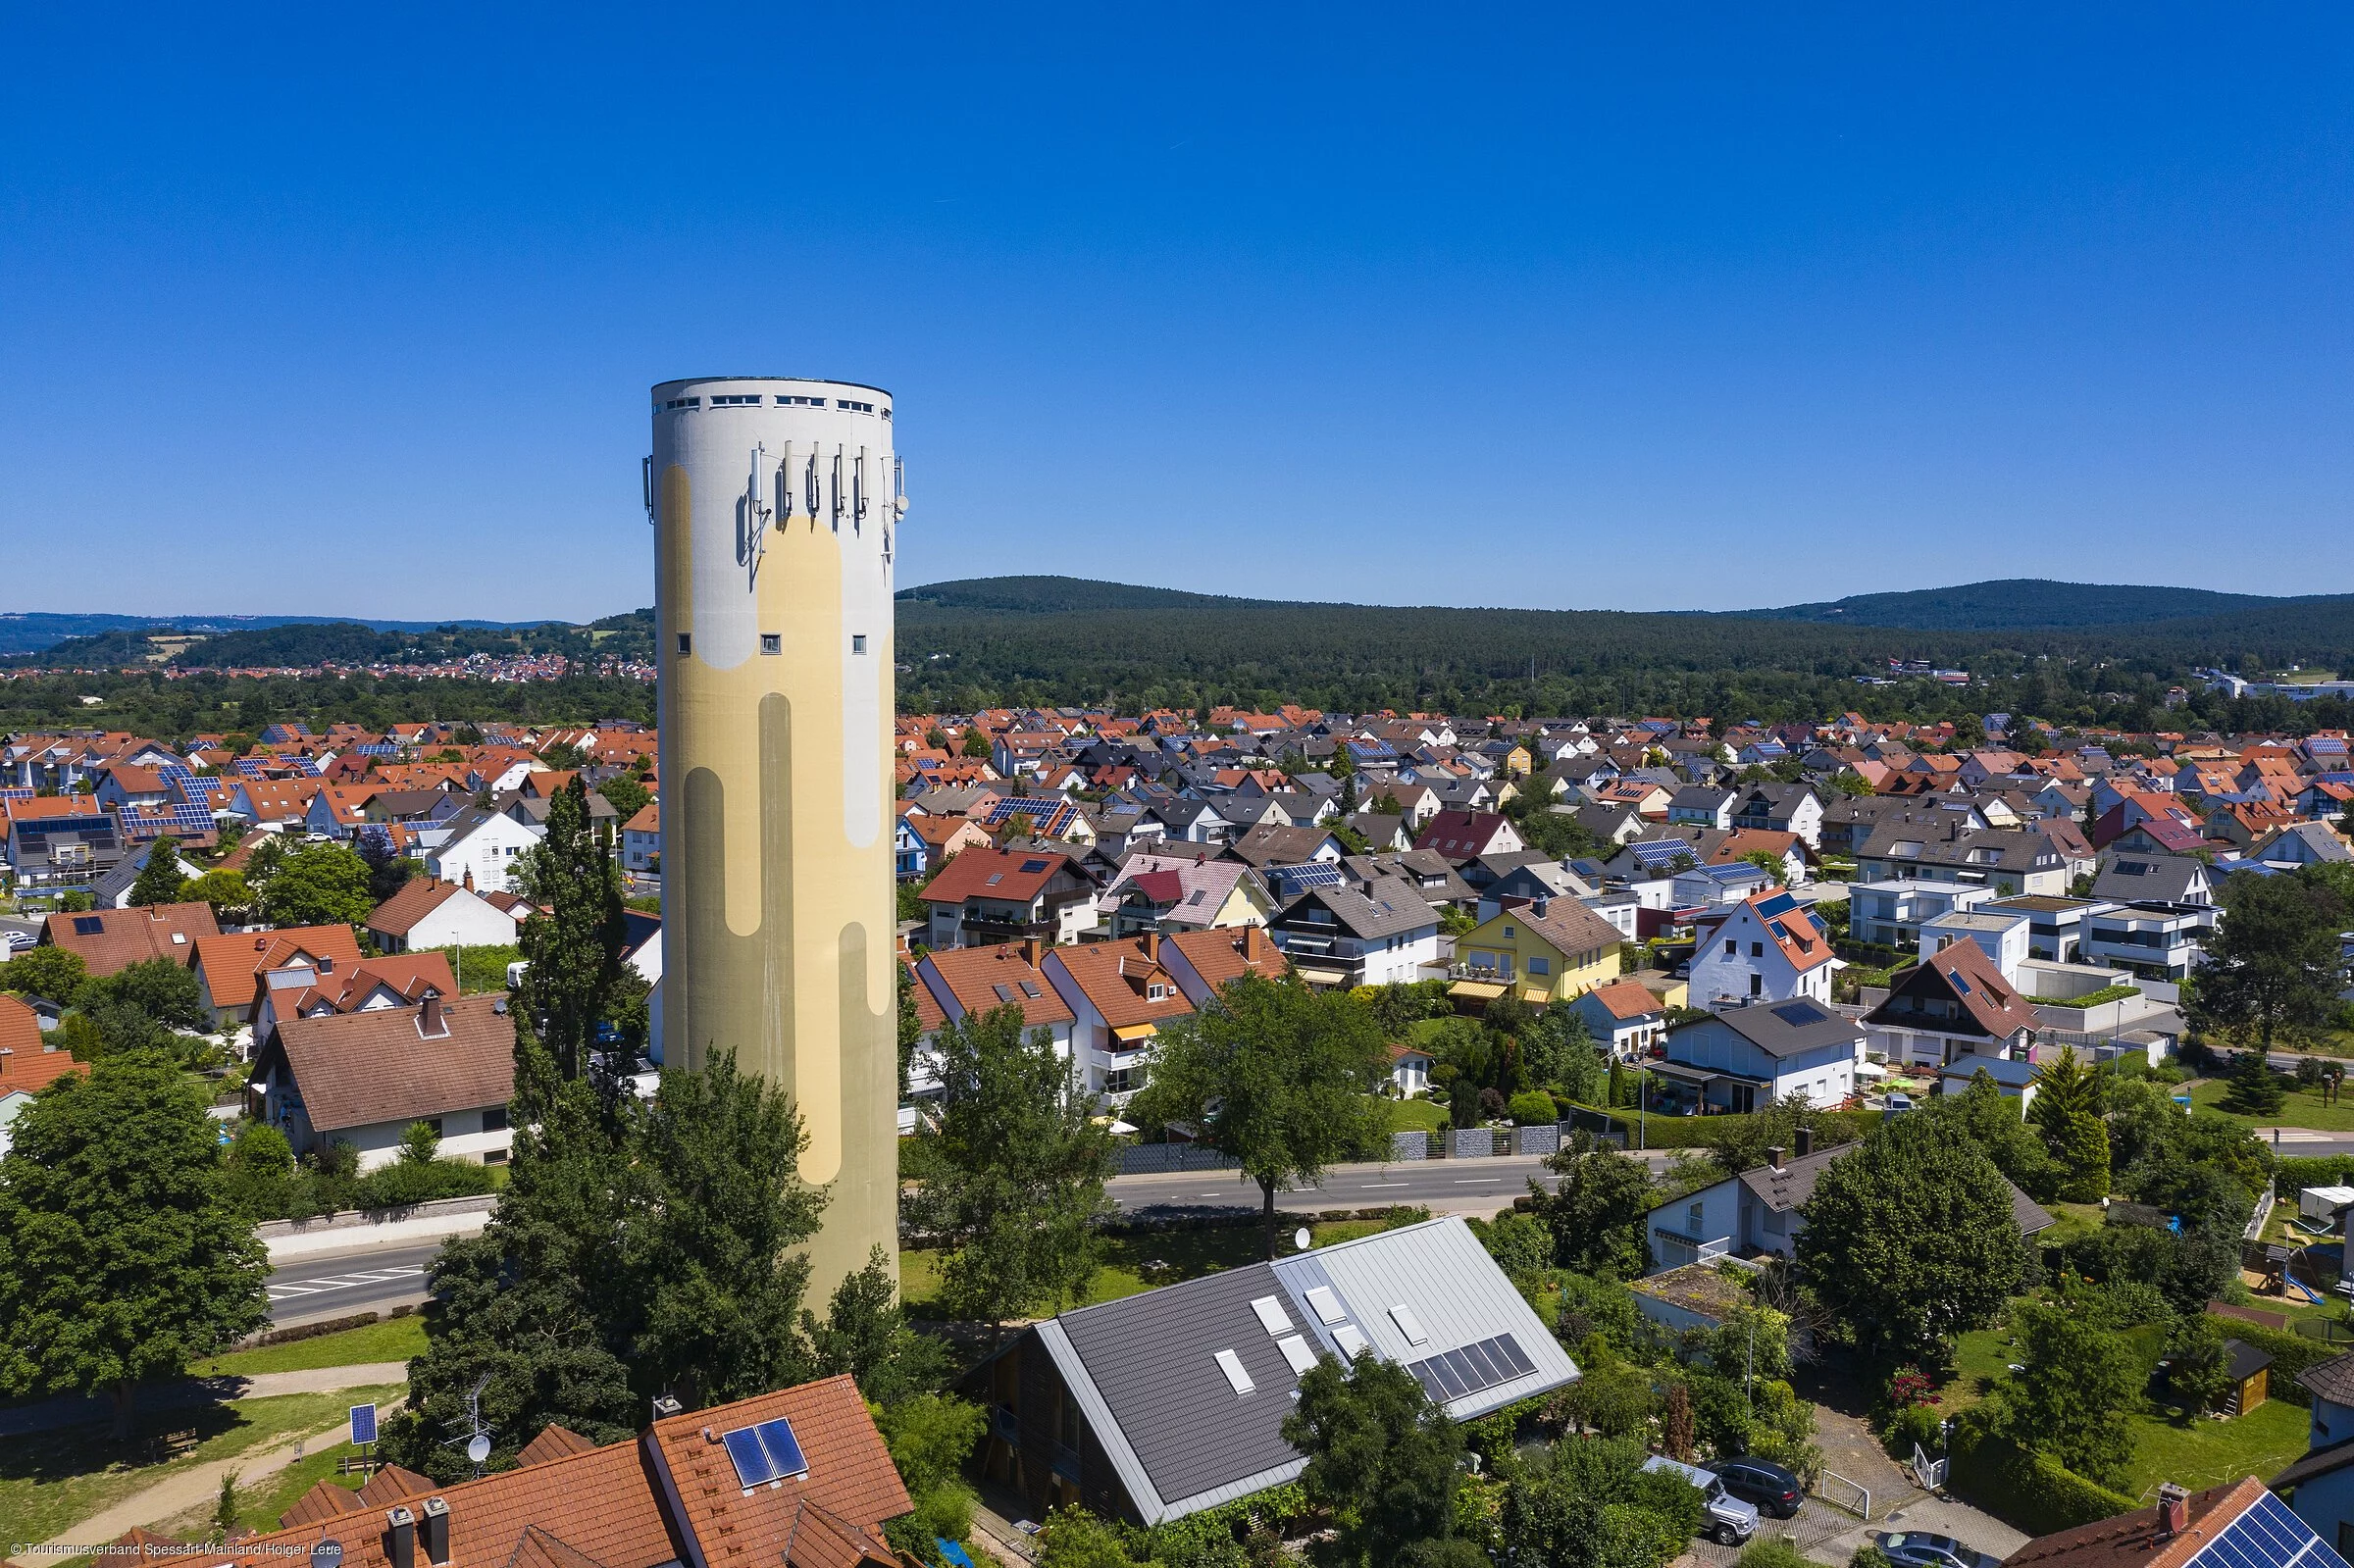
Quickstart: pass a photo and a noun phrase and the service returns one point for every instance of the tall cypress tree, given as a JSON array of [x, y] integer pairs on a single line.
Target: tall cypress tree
[[574, 948]]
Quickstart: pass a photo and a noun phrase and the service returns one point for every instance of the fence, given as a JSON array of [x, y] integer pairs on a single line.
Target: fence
[[1850, 1498], [1160, 1159], [1409, 1146]]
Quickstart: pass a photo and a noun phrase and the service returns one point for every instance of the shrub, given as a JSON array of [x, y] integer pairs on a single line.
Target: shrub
[[1910, 1425], [2026, 1490], [1532, 1107], [1778, 1551]]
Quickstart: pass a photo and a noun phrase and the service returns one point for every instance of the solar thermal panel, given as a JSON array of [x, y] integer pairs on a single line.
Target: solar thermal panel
[[784, 1448], [753, 1467]]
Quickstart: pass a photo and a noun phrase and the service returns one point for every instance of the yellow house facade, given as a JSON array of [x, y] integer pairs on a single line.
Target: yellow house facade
[[1543, 953]]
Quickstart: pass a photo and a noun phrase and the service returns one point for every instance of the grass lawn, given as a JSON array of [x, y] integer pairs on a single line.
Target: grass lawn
[[1416, 1116], [1134, 1264], [2073, 1219], [2204, 1452], [2298, 1108], [52, 1479], [395, 1340]]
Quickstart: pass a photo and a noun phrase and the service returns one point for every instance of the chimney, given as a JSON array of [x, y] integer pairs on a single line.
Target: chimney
[[430, 1020], [2173, 1511], [1153, 946], [1773, 1156], [1033, 950], [665, 1407], [1254, 943], [400, 1538], [1806, 1141], [437, 1531]]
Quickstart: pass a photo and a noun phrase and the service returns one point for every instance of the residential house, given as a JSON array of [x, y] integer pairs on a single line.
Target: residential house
[[642, 839], [944, 838], [111, 940], [1954, 1004], [1546, 951], [2163, 941], [1791, 808], [1762, 1212], [2235, 1525], [112, 889], [1187, 896], [1203, 962], [958, 983], [2001, 935], [1286, 846], [1460, 835], [363, 1078], [1345, 937], [479, 848], [1890, 914], [2055, 926], [1768, 948], [2304, 844], [2320, 1487], [1119, 994], [29, 1063], [2009, 860], [1749, 1054], [54, 839], [1625, 1016], [397, 979], [427, 912], [1159, 1406], [284, 803], [999, 895], [798, 1478], [1703, 807], [235, 970], [2178, 882]]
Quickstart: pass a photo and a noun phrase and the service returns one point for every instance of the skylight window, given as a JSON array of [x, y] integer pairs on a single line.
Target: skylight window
[[1408, 1325], [1326, 1305], [1271, 1316], [1350, 1341], [1297, 1354], [1236, 1378]]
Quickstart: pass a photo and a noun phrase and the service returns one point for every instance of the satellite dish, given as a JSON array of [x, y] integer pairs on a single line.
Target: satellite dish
[[327, 1555], [478, 1448], [1301, 1238]]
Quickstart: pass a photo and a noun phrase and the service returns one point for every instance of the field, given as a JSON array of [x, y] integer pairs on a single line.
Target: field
[[394, 1340], [2298, 1108], [52, 1479]]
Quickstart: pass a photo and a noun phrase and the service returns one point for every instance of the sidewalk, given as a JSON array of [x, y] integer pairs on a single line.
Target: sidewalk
[[179, 1492], [74, 1409]]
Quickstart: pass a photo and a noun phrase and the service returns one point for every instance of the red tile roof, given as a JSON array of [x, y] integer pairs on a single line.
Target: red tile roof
[[26, 1063], [982, 979], [1014, 875], [127, 937]]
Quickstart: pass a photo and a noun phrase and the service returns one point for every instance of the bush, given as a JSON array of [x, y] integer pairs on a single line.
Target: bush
[[1914, 1424], [2027, 1490], [1532, 1107], [1777, 1552]]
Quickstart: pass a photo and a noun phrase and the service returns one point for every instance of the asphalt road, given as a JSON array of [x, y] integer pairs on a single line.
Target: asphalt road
[[351, 1282], [1443, 1185]]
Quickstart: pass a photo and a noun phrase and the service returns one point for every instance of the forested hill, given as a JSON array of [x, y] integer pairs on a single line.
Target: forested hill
[[1053, 596], [989, 642], [2023, 602], [300, 645], [33, 630]]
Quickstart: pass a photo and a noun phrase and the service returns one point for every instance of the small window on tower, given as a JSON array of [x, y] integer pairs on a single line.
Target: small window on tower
[[772, 642], [858, 642], [686, 642]]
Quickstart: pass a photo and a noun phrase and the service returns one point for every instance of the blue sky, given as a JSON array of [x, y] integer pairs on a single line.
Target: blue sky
[[314, 311]]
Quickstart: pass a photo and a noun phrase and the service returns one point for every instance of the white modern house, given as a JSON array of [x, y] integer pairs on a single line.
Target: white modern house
[[478, 848], [1766, 949]]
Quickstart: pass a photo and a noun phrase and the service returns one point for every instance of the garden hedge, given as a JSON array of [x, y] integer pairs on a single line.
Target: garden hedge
[[2030, 1492], [1703, 1131], [2291, 1354], [2294, 1173]]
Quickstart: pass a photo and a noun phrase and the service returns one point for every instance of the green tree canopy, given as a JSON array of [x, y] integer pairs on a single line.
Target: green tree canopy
[[159, 879], [52, 974], [2069, 1402], [1911, 1239], [574, 949], [1596, 1212], [122, 1261], [1381, 1458], [1016, 1183], [1279, 1077], [2274, 965], [318, 884]]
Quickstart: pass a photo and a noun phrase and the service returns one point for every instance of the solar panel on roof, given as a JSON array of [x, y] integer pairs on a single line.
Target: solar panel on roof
[[2269, 1536], [764, 1453], [1028, 866], [1798, 1014], [1472, 1368], [1961, 982]]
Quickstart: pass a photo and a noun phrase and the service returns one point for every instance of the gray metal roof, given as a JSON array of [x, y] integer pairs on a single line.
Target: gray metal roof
[[1146, 1374]]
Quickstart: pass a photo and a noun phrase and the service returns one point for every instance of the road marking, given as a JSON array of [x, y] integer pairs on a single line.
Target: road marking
[[284, 1288], [1477, 1181], [1364, 1187]]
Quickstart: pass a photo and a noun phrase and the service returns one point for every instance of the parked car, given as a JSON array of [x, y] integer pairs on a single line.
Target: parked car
[[1774, 1490], [19, 940], [1729, 1521], [1913, 1548]]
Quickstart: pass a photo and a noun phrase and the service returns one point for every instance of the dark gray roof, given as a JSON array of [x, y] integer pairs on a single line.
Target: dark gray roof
[[1390, 906], [2153, 879], [1785, 1028], [2332, 1380], [1145, 1369], [1793, 1184]]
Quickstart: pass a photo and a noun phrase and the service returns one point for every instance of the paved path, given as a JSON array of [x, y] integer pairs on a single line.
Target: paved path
[[74, 1410], [1444, 1186], [179, 1492]]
